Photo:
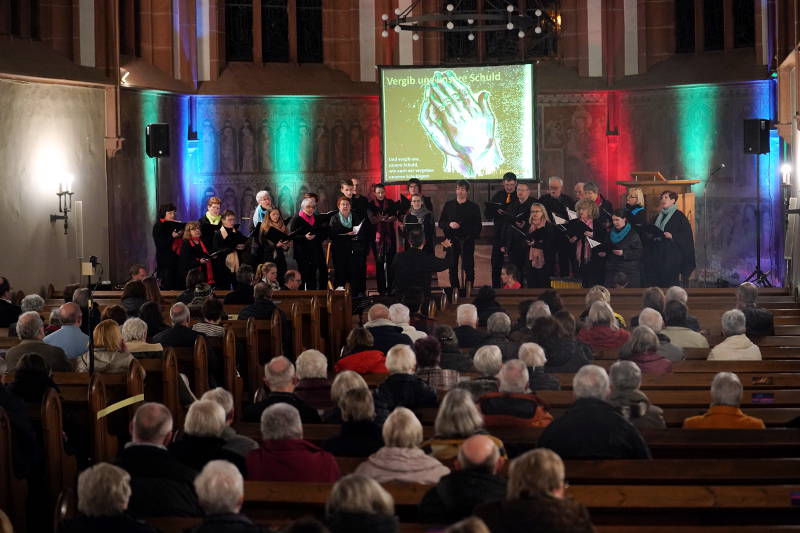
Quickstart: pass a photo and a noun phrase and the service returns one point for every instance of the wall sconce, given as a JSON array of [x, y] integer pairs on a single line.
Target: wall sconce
[[64, 203]]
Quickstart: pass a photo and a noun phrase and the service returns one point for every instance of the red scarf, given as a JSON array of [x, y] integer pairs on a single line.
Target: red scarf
[[598, 200], [582, 248], [176, 242], [307, 218], [209, 267]]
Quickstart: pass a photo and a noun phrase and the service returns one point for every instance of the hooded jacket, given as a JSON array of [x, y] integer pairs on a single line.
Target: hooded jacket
[[458, 493], [367, 362], [402, 464], [735, 348], [636, 408], [603, 337]]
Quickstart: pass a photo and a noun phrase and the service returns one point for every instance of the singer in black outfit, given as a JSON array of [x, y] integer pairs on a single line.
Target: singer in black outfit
[[604, 207], [167, 234], [349, 248], [636, 214], [460, 222], [672, 260], [557, 203], [623, 250], [230, 245], [264, 249], [413, 187], [541, 243], [195, 255], [515, 242], [496, 209], [308, 245], [419, 214], [591, 265], [384, 246]]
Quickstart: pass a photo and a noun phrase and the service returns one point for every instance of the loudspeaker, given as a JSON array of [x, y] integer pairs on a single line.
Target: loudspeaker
[[157, 140], [756, 136]]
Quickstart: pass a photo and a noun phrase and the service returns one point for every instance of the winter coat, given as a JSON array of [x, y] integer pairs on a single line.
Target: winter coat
[[565, 356], [685, 337], [603, 337], [366, 362], [406, 390], [458, 493], [356, 439], [386, 334], [508, 347], [402, 464], [636, 408], [536, 514], [291, 460], [538, 380], [735, 348], [315, 392], [505, 409], [227, 523], [651, 363], [723, 417]]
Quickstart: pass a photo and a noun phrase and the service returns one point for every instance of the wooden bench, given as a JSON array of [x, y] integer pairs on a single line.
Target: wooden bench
[[161, 384], [194, 363], [264, 341], [13, 491]]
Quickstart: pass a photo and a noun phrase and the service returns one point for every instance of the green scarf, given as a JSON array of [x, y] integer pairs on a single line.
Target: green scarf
[[214, 219], [665, 215]]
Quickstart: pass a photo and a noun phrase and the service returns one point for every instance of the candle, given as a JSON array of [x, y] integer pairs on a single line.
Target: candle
[[60, 187], [69, 184]]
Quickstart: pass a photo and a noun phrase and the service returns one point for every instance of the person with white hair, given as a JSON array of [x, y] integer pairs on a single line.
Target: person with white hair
[[401, 316], [308, 228], [358, 504], [180, 334], [220, 489], [498, 327], [360, 434], [724, 412], [238, 444], [652, 319], [642, 349], [736, 346], [30, 330], [264, 201], [134, 334], [534, 358], [281, 380], [679, 294], [592, 428], [487, 361], [466, 327], [385, 333], [401, 458], [626, 378], [514, 405], [201, 440], [403, 388], [600, 330], [533, 311], [284, 455], [760, 322], [104, 491], [557, 203], [31, 302], [313, 385]]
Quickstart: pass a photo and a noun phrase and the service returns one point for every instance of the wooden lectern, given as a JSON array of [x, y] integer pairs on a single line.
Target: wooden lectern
[[653, 184]]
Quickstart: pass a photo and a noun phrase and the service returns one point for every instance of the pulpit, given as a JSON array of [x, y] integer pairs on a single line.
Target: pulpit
[[653, 184]]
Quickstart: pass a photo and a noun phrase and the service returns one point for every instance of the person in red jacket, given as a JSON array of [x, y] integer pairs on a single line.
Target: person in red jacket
[[642, 349], [284, 455], [359, 354], [600, 330]]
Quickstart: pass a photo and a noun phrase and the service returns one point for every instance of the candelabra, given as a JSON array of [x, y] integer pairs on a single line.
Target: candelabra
[[64, 204]]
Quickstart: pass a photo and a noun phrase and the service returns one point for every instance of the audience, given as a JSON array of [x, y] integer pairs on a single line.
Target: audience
[[536, 499], [403, 388], [535, 310], [193, 278], [513, 404], [385, 333], [8, 311], [116, 313], [160, 484], [284, 455], [552, 299], [31, 302], [238, 444], [360, 434], [201, 440], [625, 378], [401, 316], [498, 326], [152, 290], [110, 353], [736, 346], [598, 293], [262, 307], [642, 349], [54, 322], [358, 504], [652, 298], [724, 412], [675, 316], [32, 379], [565, 354], [134, 295], [180, 334], [30, 330], [104, 491], [69, 336], [280, 378], [759, 320], [486, 304], [242, 293], [401, 458], [457, 419], [343, 382], [359, 354], [466, 323], [211, 325], [451, 356], [428, 354], [220, 490], [134, 334], [292, 280], [474, 481], [654, 320], [534, 358], [313, 386], [679, 294], [600, 330], [487, 360], [151, 314], [592, 428]]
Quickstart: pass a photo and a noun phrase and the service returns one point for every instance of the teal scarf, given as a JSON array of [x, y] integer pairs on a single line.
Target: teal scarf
[[619, 236], [347, 222], [636, 209], [665, 215]]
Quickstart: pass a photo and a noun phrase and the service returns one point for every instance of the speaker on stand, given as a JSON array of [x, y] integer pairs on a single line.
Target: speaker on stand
[[156, 147], [756, 142]]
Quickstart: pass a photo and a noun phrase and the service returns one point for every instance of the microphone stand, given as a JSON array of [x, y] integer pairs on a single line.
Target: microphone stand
[[89, 317]]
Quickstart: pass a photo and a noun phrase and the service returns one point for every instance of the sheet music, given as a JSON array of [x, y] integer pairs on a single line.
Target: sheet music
[[592, 242], [558, 220], [572, 214], [356, 229]]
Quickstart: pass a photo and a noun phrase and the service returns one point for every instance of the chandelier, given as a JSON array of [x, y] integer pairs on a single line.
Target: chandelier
[[493, 18]]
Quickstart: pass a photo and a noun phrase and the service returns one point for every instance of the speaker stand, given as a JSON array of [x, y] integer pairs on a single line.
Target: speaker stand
[[758, 276]]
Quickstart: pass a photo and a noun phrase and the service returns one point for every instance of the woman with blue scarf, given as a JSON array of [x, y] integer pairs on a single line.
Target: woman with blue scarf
[[624, 250], [671, 260], [634, 208], [349, 249]]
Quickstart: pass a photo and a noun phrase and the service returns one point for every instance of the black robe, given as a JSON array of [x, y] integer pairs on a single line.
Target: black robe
[[166, 258], [670, 259], [225, 245], [349, 253], [207, 230], [543, 239], [628, 262], [592, 272], [638, 219], [308, 253]]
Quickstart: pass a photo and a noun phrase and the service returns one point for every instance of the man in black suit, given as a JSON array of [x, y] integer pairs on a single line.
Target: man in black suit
[[460, 222], [160, 484], [557, 203], [413, 267], [180, 334], [467, 322], [279, 376], [498, 211], [8, 311]]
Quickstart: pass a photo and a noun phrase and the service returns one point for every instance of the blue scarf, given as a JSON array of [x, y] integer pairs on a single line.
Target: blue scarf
[[636, 209], [619, 236], [665, 215], [346, 222], [259, 215]]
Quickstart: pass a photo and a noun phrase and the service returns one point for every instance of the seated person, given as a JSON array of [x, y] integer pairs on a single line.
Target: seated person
[[486, 303], [313, 385], [284, 455], [556, 335], [30, 330], [134, 334], [724, 413], [632, 403], [759, 320], [133, 296], [343, 382], [360, 434], [32, 379], [403, 388], [452, 357], [151, 314], [111, 356], [592, 428], [487, 360], [242, 293], [262, 306], [180, 334], [509, 276], [498, 327], [279, 376], [385, 333], [467, 322], [8, 311], [600, 329], [651, 318], [69, 336], [514, 404], [358, 504], [533, 311], [201, 440], [238, 444], [534, 358], [359, 354], [457, 419], [117, 313], [31, 302], [401, 459], [536, 495], [103, 494], [211, 324], [678, 330], [736, 346], [678, 294], [474, 481], [220, 489], [598, 293], [401, 316], [193, 278], [428, 355], [642, 349], [292, 281]]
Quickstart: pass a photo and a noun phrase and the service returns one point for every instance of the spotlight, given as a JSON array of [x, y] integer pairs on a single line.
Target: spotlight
[[786, 168], [471, 37], [510, 26], [450, 25], [537, 29], [415, 36], [397, 11], [470, 21], [397, 28], [521, 34], [384, 17], [538, 12], [450, 7], [384, 33], [510, 8]]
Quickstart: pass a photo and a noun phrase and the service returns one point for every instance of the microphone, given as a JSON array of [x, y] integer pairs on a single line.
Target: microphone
[[720, 167]]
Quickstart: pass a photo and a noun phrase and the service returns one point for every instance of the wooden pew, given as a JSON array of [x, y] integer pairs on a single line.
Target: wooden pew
[[233, 383], [702, 381], [692, 398], [292, 311], [194, 363], [161, 383], [306, 331], [13, 491], [747, 367], [264, 341]]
